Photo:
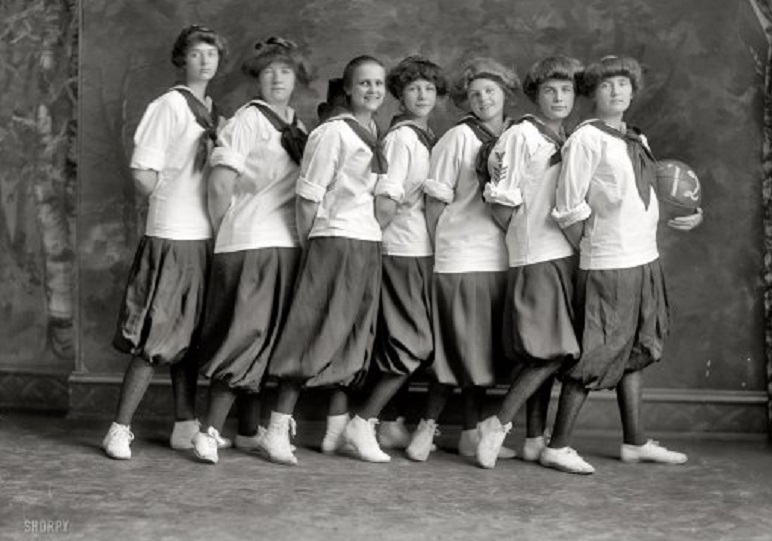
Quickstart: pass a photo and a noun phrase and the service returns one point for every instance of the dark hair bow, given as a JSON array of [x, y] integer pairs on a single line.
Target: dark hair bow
[[274, 41]]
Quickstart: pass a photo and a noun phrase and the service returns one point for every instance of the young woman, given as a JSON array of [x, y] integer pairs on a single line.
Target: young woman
[[607, 207], [331, 322], [470, 257], [538, 328], [162, 305], [404, 337], [252, 208]]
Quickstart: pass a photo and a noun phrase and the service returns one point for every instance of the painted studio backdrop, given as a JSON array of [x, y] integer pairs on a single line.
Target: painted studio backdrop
[[702, 103]]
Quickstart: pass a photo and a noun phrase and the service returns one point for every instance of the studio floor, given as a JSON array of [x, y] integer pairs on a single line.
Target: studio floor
[[56, 484]]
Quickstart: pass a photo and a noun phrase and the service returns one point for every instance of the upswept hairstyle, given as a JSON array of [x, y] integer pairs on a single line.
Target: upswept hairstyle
[[351, 67], [611, 66], [483, 68], [276, 49], [412, 69], [196, 33], [562, 68]]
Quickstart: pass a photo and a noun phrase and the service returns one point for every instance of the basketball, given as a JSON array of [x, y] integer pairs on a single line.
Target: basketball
[[678, 188]]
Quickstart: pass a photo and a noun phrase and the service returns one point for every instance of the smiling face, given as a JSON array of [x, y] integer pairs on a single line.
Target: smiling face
[[277, 81], [419, 98], [201, 62], [613, 96], [556, 99], [486, 99], [368, 88]]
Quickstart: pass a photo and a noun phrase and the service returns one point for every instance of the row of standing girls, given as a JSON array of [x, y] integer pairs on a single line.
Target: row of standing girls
[[346, 252]]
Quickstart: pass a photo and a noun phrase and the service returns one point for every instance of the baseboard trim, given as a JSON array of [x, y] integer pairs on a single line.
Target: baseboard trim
[[691, 412], [693, 396], [42, 390]]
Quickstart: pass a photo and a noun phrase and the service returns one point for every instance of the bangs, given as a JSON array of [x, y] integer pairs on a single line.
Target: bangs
[[483, 68], [196, 34], [267, 55], [561, 68], [413, 69], [612, 66]]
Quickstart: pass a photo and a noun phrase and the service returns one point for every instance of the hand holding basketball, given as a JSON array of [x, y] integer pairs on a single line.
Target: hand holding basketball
[[686, 223]]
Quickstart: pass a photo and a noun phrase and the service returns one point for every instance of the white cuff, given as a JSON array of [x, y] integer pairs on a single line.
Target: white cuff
[[439, 191], [226, 157], [569, 217], [308, 190], [508, 198], [148, 158], [392, 190]]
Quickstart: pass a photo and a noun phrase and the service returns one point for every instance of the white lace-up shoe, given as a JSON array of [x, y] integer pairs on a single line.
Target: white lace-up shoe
[[393, 434], [275, 444], [469, 439], [333, 436], [565, 459], [359, 434], [205, 445], [651, 451], [423, 440], [492, 434], [117, 442], [184, 431]]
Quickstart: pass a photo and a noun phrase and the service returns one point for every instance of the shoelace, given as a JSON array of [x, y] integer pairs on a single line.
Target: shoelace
[[293, 427], [436, 430], [219, 439], [126, 430], [213, 435]]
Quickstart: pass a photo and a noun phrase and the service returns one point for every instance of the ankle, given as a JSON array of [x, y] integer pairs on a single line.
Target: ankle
[[556, 443], [637, 442], [337, 420], [279, 418], [123, 421]]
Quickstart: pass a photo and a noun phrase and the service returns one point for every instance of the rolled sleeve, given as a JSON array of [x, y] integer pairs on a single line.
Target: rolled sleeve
[[237, 139], [397, 149], [446, 165], [508, 197], [154, 135], [225, 157], [148, 158], [309, 190], [507, 165], [567, 218], [581, 155], [390, 188], [320, 162], [439, 190]]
